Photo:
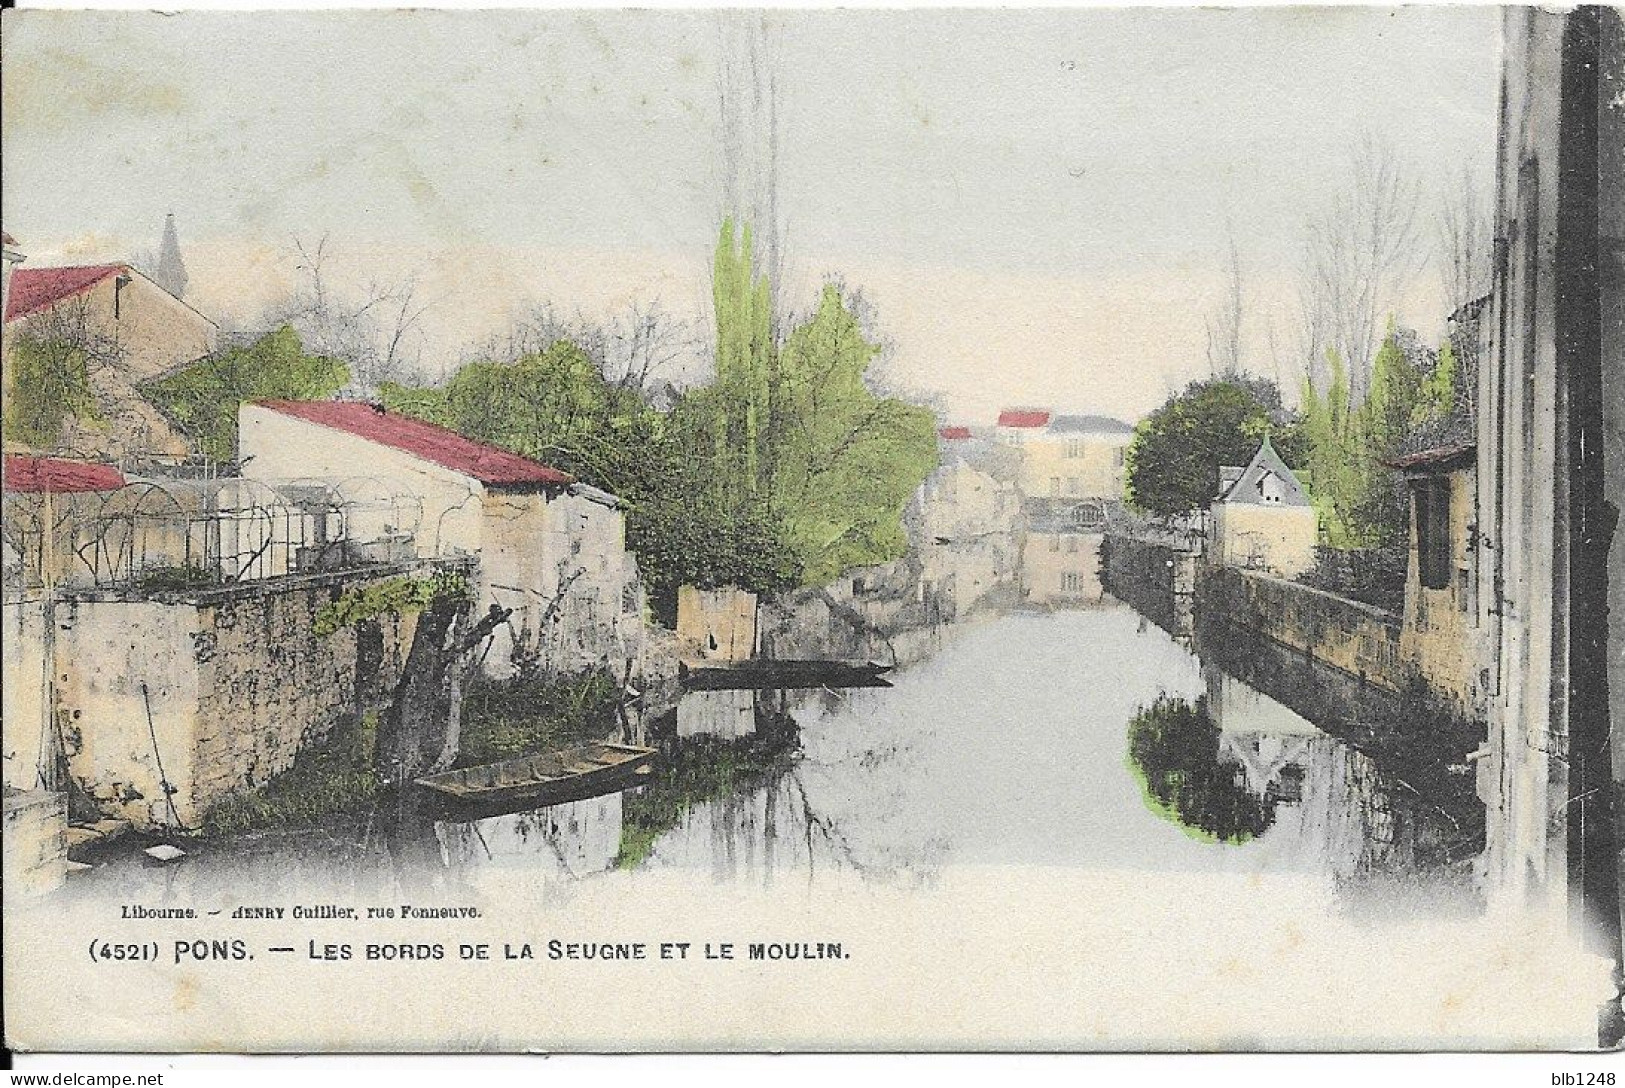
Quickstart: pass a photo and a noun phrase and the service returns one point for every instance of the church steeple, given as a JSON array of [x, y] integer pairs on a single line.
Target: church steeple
[[170, 271]]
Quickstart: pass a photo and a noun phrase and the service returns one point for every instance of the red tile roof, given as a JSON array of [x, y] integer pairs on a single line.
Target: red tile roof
[[39, 288], [1024, 417], [487, 464], [37, 474], [954, 433]]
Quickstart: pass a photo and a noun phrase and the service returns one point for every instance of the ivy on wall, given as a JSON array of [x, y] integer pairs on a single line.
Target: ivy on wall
[[392, 597]]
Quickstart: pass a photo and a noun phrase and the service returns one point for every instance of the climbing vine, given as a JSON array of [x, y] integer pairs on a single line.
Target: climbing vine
[[50, 384], [394, 597]]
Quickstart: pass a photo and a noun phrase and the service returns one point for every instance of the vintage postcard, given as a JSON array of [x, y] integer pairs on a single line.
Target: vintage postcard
[[1014, 529]]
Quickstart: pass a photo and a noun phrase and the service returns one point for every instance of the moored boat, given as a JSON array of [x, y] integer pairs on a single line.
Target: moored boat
[[771, 673], [547, 778]]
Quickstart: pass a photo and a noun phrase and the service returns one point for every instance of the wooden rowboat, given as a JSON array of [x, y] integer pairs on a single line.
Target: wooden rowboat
[[549, 778], [774, 673]]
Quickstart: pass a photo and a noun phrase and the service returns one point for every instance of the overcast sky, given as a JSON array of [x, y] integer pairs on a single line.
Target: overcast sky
[[1035, 202]]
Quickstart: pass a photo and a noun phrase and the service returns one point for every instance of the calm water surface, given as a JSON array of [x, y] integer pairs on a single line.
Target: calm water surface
[[1007, 741]]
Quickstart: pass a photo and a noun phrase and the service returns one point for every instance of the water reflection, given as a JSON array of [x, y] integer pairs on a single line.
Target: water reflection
[[1049, 725], [1385, 843], [569, 841], [1174, 748]]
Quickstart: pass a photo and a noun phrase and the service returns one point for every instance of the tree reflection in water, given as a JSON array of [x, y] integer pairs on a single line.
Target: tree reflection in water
[[1173, 750], [738, 788], [701, 768]]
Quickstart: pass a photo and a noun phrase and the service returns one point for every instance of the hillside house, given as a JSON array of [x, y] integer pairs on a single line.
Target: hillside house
[[1262, 518], [130, 331], [551, 549]]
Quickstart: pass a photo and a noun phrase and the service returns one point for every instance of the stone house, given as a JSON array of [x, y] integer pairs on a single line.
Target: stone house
[[132, 330], [1070, 459], [1551, 470], [40, 493], [960, 498], [716, 624], [551, 549], [1262, 519], [1440, 627]]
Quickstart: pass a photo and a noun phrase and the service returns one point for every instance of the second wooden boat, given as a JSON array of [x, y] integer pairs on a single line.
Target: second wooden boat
[[549, 778]]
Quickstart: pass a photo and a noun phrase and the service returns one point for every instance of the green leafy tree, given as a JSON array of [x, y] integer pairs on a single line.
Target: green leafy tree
[[1440, 393], [203, 399], [745, 363], [1174, 458], [554, 406], [846, 460], [1413, 390], [1338, 457]]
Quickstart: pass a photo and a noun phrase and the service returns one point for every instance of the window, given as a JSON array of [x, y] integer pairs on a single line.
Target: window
[[1074, 448], [1054, 485], [1071, 582], [1432, 512]]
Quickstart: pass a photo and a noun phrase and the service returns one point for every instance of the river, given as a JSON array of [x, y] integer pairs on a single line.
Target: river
[[1008, 746], [1006, 737]]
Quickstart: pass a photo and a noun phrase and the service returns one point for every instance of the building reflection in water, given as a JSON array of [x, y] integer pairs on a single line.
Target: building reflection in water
[[1385, 845]]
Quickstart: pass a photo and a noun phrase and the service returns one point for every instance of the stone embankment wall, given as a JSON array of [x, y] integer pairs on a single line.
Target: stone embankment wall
[[1234, 613], [220, 688], [1157, 580], [877, 613], [1357, 638], [36, 846]]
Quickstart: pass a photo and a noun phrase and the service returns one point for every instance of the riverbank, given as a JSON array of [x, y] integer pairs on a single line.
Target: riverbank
[[340, 776]]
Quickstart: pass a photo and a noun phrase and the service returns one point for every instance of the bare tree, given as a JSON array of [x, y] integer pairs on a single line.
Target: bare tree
[[1224, 323], [647, 346], [642, 347], [401, 339], [1465, 231], [750, 131], [539, 329], [1362, 250], [376, 330]]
